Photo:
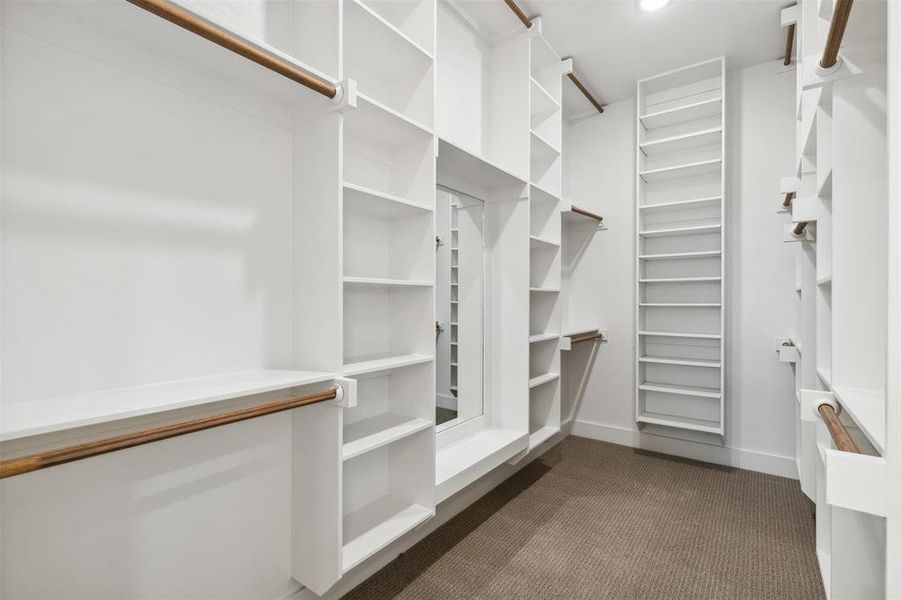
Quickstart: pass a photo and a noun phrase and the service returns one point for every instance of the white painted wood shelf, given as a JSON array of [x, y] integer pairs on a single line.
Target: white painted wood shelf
[[377, 431], [682, 114], [374, 526]]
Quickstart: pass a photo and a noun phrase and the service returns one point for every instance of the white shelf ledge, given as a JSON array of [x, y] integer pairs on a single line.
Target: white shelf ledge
[[683, 114], [542, 148], [682, 280], [545, 290], [543, 337], [27, 419], [679, 305], [356, 368], [681, 255], [867, 409], [681, 390], [685, 362], [366, 201], [543, 104], [386, 282], [540, 194], [703, 425], [369, 30], [674, 231], [826, 280], [683, 204], [540, 436], [686, 170], [375, 121], [697, 139], [371, 528], [456, 164], [538, 242], [466, 460], [700, 336], [377, 431], [542, 379]]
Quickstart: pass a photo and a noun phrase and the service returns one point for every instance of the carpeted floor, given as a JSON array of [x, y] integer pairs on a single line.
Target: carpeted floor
[[595, 520]]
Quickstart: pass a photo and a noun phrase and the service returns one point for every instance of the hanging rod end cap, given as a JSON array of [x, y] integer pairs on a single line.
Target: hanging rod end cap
[[346, 94], [822, 71]]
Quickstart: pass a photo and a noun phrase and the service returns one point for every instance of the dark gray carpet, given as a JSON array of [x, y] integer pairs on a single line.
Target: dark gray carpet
[[595, 520]]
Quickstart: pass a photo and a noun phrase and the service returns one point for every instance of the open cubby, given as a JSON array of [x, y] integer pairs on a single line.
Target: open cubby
[[387, 64], [381, 320], [386, 492]]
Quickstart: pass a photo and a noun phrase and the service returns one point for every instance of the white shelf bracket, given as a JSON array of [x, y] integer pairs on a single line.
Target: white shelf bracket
[[347, 392]]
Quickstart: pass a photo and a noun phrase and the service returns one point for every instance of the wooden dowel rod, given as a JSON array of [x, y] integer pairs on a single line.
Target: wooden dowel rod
[[585, 213], [191, 22], [586, 338], [789, 44], [585, 92], [840, 15], [799, 228], [837, 429], [42, 460], [519, 14], [788, 199]]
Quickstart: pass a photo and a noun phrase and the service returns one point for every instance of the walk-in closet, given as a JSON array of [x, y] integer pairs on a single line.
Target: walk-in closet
[[450, 299]]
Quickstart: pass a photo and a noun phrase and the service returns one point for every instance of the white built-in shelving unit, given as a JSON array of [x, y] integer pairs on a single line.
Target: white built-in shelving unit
[[680, 186], [840, 186]]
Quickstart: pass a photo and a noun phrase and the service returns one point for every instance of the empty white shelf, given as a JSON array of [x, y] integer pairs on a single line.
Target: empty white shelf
[[825, 280], [25, 419], [681, 422], [543, 104], [386, 282], [538, 242], [867, 409], [371, 528], [681, 255], [540, 194], [370, 30], [463, 462], [683, 114], [682, 204], [700, 336], [366, 201], [374, 121], [549, 290], [377, 431], [680, 305], [681, 390], [457, 164], [673, 231], [355, 368], [542, 148], [538, 437], [542, 379], [543, 337], [685, 362], [685, 141], [685, 170], [681, 280]]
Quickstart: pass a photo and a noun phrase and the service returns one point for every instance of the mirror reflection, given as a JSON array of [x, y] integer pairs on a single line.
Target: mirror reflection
[[459, 222]]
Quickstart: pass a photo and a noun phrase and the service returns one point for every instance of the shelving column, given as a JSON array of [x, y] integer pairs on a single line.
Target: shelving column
[[545, 189], [680, 187]]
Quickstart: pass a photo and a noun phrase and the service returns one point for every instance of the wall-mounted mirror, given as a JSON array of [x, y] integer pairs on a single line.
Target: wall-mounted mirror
[[459, 295]]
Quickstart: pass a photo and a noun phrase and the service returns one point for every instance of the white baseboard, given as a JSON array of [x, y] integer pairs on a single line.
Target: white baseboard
[[773, 464]]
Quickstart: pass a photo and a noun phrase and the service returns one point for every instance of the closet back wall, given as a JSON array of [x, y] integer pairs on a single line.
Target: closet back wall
[[759, 389]]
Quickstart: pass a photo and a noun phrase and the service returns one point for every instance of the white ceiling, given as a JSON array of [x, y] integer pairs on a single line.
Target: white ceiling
[[613, 44]]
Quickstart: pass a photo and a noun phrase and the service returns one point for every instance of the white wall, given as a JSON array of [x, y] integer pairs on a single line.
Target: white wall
[[759, 277]]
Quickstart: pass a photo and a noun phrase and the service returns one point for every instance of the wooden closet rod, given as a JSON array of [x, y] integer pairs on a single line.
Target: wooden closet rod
[[837, 429], [572, 76], [840, 15], [788, 199], [585, 213], [196, 25], [799, 228], [586, 337], [789, 44], [50, 458]]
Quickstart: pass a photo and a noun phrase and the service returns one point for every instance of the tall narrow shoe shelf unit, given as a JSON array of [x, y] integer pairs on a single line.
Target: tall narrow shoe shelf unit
[[841, 197], [679, 249], [545, 191]]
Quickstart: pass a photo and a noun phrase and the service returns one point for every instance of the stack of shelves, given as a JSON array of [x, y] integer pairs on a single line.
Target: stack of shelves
[[679, 243], [387, 299], [546, 131]]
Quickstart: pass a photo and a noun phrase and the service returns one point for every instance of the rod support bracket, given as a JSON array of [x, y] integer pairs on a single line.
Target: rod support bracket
[[828, 72], [346, 96], [346, 390]]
